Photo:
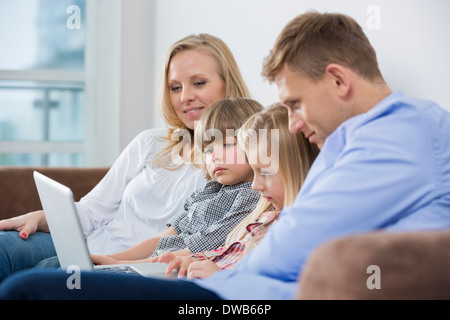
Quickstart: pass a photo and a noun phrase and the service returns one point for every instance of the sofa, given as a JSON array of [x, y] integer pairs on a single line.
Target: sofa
[[18, 194], [413, 265], [372, 265]]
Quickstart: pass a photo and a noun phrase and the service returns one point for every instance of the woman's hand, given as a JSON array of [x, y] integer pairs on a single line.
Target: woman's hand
[[202, 269], [26, 224], [104, 259], [175, 262]]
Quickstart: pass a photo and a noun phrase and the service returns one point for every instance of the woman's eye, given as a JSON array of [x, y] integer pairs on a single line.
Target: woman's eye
[[228, 145], [199, 83], [207, 151], [175, 88]]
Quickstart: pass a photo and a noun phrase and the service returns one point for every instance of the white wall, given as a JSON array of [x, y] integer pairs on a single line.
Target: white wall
[[412, 44], [119, 76], [128, 39]]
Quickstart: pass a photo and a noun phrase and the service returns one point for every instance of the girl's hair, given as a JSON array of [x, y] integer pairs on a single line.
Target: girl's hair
[[225, 117], [228, 70], [296, 155]]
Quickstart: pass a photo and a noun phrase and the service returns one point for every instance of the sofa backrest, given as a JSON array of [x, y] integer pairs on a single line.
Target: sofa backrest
[[18, 194]]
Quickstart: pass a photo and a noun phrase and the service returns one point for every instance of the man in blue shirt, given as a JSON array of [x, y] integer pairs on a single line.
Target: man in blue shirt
[[384, 164]]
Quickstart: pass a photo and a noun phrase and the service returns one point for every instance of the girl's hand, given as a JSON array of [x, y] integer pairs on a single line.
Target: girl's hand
[[202, 269], [175, 262], [104, 259]]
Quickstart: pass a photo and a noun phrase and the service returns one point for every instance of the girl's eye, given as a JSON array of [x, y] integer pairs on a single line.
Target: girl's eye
[[208, 151], [228, 145]]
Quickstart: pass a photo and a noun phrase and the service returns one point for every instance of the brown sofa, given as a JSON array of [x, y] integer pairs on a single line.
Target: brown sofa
[[412, 265], [18, 194]]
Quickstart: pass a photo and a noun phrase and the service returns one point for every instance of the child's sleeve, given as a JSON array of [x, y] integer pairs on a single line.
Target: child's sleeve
[[209, 255], [215, 235]]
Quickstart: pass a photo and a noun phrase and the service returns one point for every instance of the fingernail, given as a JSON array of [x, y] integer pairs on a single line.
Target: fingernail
[[24, 235]]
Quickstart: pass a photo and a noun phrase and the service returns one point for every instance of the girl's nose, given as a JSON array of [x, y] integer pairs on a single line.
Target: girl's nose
[[217, 154], [256, 184]]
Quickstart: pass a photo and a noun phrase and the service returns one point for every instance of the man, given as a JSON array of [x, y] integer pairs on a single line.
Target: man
[[384, 160], [384, 164]]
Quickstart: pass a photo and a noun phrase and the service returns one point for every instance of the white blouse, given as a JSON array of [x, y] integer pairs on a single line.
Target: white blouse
[[134, 201]]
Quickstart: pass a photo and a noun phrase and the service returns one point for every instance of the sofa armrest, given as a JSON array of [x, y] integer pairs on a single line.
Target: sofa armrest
[[412, 265], [18, 194]]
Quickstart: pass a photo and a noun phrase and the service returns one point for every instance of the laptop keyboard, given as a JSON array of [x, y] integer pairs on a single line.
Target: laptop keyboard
[[118, 269]]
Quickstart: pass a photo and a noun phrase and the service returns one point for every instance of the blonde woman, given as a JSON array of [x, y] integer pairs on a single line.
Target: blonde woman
[[148, 183]]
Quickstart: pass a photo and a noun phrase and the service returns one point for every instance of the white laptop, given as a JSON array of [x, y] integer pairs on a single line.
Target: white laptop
[[68, 238]]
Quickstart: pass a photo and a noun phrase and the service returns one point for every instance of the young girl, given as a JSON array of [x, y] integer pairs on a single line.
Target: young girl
[[212, 212], [278, 182]]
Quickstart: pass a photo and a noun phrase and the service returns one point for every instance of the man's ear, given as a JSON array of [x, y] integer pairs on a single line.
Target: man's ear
[[341, 79]]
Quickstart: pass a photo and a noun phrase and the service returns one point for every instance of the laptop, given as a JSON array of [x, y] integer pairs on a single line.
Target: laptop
[[68, 238]]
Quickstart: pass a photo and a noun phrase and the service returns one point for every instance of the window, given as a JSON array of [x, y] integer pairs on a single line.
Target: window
[[42, 101]]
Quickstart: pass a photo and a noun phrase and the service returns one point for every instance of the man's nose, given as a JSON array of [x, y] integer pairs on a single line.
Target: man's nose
[[296, 125]]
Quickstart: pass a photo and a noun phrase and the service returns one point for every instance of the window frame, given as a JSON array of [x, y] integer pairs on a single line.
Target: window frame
[[44, 75]]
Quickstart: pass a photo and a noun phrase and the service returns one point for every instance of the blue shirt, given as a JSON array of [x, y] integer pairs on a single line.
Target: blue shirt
[[388, 168]]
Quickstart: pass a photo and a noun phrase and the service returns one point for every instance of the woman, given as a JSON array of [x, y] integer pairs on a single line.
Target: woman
[[148, 183]]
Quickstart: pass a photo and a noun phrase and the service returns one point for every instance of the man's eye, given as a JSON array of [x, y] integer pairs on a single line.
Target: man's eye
[[294, 105]]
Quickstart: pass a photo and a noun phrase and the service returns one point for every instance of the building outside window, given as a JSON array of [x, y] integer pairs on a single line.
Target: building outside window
[[42, 89]]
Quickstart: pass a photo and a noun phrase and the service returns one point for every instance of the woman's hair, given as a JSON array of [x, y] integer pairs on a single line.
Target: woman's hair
[[311, 41], [296, 155], [223, 118], [227, 69]]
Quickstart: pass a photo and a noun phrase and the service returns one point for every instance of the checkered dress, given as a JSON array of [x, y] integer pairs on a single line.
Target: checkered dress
[[209, 215]]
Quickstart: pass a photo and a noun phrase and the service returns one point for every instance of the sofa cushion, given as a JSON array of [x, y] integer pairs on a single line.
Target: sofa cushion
[[412, 265]]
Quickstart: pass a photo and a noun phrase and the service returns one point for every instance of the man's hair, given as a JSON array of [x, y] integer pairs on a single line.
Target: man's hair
[[311, 41]]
